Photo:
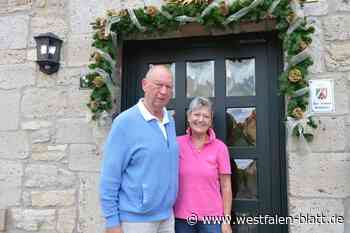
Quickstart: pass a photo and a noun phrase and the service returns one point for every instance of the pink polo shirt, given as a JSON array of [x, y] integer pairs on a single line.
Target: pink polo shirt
[[199, 185]]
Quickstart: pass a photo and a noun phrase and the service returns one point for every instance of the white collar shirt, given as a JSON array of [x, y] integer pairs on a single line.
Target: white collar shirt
[[148, 117]]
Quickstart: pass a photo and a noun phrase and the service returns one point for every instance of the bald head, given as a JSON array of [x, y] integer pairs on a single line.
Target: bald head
[[157, 86], [158, 70]]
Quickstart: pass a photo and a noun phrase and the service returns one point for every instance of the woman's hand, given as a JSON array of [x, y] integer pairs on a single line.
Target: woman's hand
[[226, 228], [114, 230], [226, 192]]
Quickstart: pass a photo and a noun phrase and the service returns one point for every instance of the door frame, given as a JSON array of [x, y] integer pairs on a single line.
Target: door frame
[[279, 189]]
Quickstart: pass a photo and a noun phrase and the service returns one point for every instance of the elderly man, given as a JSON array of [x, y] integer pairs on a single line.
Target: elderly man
[[139, 178]]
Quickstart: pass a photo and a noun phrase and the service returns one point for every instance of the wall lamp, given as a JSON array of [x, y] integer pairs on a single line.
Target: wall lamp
[[48, 47]]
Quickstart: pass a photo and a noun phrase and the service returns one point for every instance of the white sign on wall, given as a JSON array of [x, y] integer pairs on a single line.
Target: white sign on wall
[[322, 96]]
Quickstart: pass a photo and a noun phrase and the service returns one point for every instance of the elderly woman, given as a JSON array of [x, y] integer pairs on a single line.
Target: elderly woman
[[205, 175]]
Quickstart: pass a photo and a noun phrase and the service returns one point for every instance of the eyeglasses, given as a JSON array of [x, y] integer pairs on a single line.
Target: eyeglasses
[[161, 85]]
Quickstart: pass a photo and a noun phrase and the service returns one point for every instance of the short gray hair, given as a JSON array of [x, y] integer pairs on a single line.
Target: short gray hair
[[153, 68], [199, 102]]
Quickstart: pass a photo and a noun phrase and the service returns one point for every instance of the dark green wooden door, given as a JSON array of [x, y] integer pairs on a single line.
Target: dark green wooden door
[[240, 75]]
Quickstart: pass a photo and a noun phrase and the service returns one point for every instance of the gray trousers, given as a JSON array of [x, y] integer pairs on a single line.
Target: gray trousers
[[164, 226]]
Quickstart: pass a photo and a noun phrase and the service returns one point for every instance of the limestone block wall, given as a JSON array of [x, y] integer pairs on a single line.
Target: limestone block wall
[[50, 154], [320, 183]]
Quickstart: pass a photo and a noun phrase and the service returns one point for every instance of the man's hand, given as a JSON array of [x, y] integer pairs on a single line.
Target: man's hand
[[226, 228], [114, 230]]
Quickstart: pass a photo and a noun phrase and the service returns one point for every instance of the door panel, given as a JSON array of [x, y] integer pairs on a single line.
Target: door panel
[[239, 74]]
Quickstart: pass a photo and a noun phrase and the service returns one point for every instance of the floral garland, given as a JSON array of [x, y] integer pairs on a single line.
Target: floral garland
[[293, 29]]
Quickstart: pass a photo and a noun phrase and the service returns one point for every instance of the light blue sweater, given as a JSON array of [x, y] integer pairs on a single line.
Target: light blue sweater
[[139, 177]]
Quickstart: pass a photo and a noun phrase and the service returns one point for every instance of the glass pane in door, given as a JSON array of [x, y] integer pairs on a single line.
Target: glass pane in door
[[200, 79], [240, 77], [244, 228], [241, 126], [245, 178]]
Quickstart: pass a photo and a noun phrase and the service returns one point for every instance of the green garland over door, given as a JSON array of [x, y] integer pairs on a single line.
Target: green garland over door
[[293, 27]]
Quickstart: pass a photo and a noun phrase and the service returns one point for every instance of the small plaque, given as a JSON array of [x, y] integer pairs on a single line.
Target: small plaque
[[322, 96]]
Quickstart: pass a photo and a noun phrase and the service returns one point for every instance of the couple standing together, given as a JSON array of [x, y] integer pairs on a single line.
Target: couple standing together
[[151, 181]]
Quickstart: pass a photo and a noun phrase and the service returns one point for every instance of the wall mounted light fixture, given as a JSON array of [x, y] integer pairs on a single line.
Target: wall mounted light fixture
[[48, 47]]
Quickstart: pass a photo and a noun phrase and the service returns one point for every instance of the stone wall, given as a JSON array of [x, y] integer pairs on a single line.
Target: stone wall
[[320, 183], [50, 154]]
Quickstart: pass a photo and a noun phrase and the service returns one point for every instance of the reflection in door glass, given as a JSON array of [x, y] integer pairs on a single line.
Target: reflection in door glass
[[200, 79], [244, 179], [240, 77], [244, 228], [170, 66], [241, 127]]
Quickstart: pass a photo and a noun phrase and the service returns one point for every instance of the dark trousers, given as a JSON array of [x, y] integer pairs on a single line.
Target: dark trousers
[[181, 226]]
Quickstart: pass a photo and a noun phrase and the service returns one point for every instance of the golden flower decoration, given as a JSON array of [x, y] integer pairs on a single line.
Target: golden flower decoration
[[298, 113], [295, 75], [102, 35], [123, 13], [92, 57], [151, 10], [96, 56], [112, 13], [224, 9], [93, 105], [290, 18], [98, 20], [303, 45], [101, 22], [98, 81]]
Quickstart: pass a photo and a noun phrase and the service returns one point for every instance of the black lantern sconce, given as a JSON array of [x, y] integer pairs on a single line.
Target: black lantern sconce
[[48, 47]]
